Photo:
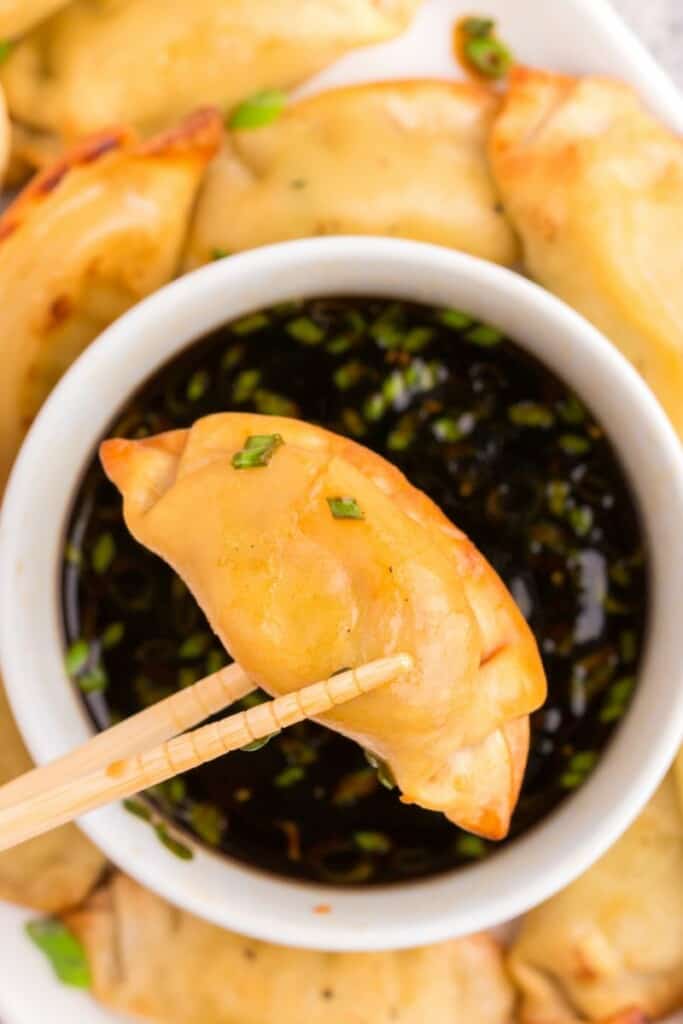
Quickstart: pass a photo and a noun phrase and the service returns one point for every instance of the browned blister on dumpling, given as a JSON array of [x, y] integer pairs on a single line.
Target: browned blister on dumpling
[[153, 961], [406, 159], [149, 62], [296, 593], [611, 943], [90, 236], [593, 183]]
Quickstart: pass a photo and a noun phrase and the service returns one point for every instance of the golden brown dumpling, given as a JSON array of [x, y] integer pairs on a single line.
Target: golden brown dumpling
[[55, 871], [153, 961], [393, 158], [613, 939], [295, 594], [5, 138], [88, 238], [18, 16], [148, 62], [594, 186]]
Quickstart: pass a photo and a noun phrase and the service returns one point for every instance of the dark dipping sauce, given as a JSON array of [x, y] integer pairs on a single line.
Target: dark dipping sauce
[[510, 455]]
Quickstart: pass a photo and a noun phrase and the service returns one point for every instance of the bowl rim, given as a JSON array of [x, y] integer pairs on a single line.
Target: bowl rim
[[60, 443]]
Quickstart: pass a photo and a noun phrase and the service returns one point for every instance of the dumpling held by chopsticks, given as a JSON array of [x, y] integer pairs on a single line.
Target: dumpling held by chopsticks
[[308, 553]]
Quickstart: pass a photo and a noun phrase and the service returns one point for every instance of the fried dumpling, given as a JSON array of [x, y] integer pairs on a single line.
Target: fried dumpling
[[613, 939], [296, 590], [88, 238], [594, 186], [5, 138], [152, 961], [18, 16], [55, 871], [392, 158], [148, 62]]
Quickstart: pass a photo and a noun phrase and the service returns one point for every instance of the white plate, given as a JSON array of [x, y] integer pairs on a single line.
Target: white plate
[[579, 36]]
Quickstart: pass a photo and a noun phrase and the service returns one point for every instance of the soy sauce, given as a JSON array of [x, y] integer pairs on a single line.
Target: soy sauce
[[511, 456]]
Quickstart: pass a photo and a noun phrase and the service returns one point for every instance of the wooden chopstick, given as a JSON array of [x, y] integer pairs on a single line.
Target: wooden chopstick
[[148, 728], [120, 778]]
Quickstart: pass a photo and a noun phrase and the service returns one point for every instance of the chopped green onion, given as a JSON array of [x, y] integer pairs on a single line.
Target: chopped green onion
[[219, 254], [259, 110], [557, 492], [298, 183], [289, 776], [581, 519], [374, 407], [571, 410], [232, 356], [188, 676], [574, 444], [95, 680], [252, 700], [387, 335], [196, 645], [255, 745], [476, 27], [113, 635], [403, 435], [372, 842], [617, 699], [484, 336], [447, 429], [394, 387], [177, 848], [489, 56], [348, 375], [258, 451], [345, 508], [271, 404], [628, 645], [138, 809], [454, 318], [64, 951], [249, 324], [245, 384], [208, 822], [215, 660], [103, 553], [175, 789], [471, 846], [6, 47], [305, 330], [530, 414], [384, 772], [353, 422], [77, 657], [73, 554], [198, 385]]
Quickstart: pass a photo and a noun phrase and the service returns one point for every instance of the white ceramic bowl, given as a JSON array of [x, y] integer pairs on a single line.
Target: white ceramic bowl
[[37, 505]]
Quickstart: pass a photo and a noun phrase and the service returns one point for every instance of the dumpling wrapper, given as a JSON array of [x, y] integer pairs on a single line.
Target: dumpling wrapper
[[153, 961], [594, 186], [90, 236], [295, 595], [55, 871], [5, 137], [18, 16], [394, 158], [148, 62], [613, 939]]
